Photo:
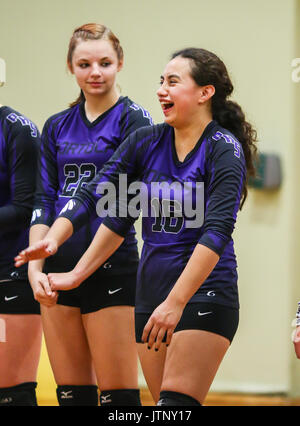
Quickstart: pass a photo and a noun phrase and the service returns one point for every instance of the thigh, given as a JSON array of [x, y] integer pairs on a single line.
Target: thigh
[[67, 345], [152, 362], [192, 361], [20, 346], [110, 333], [153, 367]]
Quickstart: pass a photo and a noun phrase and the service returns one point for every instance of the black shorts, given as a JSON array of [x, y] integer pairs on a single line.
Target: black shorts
[[98, 292], [211, 317], [16, 297]]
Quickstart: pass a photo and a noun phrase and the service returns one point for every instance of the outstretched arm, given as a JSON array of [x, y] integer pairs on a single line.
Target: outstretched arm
[[60, 231], [104, 244]]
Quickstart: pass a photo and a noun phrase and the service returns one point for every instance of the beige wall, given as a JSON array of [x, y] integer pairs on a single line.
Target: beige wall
[[257, 40]]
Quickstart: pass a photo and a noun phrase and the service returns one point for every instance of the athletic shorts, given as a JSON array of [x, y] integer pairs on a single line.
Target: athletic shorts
[[211, 317], [98, 292], [16, 297]]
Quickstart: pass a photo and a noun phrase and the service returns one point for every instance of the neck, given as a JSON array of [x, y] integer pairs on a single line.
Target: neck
[[97, 105], [191, 133]]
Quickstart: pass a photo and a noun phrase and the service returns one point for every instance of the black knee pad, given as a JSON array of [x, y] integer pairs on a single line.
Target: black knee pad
[[19, 395], [119, 397], [176, 399], [73, 395]]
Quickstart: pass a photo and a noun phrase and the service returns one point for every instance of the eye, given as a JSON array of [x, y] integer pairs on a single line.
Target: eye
[[105, 64], [83, 65]]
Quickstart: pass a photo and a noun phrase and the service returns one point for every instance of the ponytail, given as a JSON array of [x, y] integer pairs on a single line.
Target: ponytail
[[230, 115], [206, 69], [80, 98]]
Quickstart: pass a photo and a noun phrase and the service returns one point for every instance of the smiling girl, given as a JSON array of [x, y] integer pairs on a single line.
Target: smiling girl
[[88, 331], [187, 303]]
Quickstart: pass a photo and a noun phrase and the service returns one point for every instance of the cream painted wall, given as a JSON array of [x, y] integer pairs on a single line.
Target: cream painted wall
[[257, 40]]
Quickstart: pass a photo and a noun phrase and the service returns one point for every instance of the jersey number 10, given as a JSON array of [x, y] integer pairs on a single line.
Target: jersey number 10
[[168, 215]]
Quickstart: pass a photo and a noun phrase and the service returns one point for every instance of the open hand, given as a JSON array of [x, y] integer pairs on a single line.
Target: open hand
[[38, 250]]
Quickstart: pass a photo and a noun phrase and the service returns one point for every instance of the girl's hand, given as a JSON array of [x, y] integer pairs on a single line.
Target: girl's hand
[[39, 250], [162, 321], [296, 341], [41, 289], [63, 281]]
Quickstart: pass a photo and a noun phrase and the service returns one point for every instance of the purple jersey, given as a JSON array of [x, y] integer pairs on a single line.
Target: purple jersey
[[19, 139], [217, 165], [73, 150]]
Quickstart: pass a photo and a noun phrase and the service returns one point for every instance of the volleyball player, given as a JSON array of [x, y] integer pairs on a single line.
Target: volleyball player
[[20, 321], [88, 331], [187, 305], [296, 334]]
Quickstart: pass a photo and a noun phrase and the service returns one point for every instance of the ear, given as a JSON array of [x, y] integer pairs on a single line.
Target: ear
[[70, 68], [120, 65], [206, 92]]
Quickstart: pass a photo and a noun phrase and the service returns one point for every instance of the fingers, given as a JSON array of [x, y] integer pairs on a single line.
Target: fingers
[[43, 293], [154, 334], [21, 258], [55, 282], [47, 287], [39, 250], [61, 281], [170, 333], [19, 261], [147, 329]]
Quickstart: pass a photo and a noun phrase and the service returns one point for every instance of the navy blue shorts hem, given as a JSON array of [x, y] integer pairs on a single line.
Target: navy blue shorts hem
[[210, 317], [100, 292], [16, 298]]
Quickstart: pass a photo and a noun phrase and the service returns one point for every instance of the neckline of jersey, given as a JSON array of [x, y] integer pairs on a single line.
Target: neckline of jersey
[[101, 116], [205, 133]]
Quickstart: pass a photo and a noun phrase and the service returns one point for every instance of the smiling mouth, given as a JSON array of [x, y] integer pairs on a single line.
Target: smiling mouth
[[167, 105]]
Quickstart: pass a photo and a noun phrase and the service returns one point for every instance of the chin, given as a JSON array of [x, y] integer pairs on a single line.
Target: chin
[[169, 121]]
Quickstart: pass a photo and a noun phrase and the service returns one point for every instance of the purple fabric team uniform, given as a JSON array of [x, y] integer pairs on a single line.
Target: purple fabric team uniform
[[148, 156], [73, 150], [19, 141]]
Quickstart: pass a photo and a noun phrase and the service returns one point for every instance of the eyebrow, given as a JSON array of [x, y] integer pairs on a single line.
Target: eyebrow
[[170, 76], [105, 58]]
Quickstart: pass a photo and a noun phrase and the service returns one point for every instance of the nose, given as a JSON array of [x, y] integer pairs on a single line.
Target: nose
[[161, 91], [95, 70]]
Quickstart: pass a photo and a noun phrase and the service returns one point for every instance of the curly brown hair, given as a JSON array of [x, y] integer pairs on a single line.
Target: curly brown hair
[[208, 69]]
